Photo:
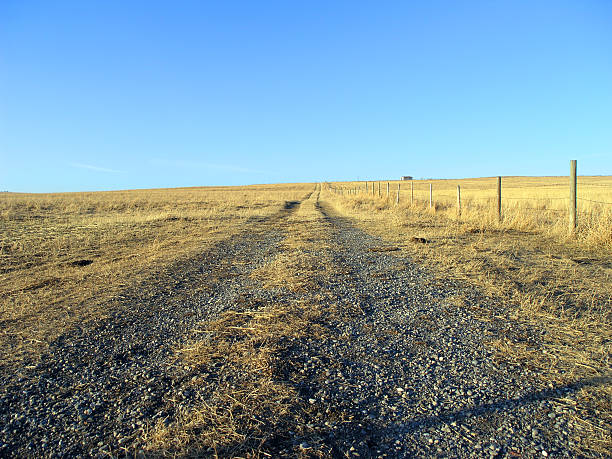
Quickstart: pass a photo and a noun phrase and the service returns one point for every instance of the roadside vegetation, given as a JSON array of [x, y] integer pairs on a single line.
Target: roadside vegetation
[[558, 282], [65, 256]]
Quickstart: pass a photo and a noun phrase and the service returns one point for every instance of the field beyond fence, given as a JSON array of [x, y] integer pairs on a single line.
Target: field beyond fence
[[527, 203]]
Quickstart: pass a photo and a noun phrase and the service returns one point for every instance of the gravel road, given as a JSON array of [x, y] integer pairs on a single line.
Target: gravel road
[[410, 375]]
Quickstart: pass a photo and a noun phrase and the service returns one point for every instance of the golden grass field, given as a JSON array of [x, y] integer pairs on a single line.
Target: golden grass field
[[64, 256], [528, 203], [550, 278]]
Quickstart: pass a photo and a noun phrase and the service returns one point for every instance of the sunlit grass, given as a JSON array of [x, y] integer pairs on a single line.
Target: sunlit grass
[[64, 256], [528, 203]]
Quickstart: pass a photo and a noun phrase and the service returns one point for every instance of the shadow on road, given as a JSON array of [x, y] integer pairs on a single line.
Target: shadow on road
[[507, 404]]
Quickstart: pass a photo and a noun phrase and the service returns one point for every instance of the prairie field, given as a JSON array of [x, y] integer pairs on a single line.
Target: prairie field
[[287, 320], [528, 203], [63, 256]]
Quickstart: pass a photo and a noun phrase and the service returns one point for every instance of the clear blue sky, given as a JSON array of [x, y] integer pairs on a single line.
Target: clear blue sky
[[137, 94]]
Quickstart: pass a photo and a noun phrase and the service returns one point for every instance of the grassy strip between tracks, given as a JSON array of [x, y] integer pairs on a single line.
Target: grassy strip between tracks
[[250, 403]]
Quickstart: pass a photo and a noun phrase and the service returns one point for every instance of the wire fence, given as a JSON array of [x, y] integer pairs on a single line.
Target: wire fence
[[470, 198], [347, 189], [495, 196]]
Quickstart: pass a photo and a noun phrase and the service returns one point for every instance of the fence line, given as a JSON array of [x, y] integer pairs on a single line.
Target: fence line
[[598, 202], [489, 198], [496, 198]]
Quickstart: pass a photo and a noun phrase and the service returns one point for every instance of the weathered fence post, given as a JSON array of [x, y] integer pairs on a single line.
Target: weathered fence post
[[573, 204], [499, 211], [379, 193], [430, 196], [398, 190], [458, 200], [387, 190]]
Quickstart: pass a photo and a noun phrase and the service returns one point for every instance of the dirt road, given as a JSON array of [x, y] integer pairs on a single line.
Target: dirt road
[[368, 356]]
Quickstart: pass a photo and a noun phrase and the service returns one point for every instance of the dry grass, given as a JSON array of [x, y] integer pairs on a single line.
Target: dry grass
[[555, 282], [64, 256], [233, 418], [528, 203], [302, 257], [251, 405]]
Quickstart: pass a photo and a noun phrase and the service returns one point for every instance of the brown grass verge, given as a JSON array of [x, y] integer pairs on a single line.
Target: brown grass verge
[[64, 257], [556, 284]]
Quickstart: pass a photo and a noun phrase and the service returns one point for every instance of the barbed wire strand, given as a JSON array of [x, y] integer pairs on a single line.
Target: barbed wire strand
[[598, 202]]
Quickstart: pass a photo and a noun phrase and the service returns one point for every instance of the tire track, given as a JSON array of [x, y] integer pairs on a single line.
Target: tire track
[[407, 371]]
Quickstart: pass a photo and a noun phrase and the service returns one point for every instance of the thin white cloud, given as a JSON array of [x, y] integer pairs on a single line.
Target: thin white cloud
[[95, 168], [203, 165]]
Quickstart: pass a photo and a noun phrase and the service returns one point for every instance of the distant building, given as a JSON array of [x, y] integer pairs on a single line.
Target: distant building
[[406, 177]]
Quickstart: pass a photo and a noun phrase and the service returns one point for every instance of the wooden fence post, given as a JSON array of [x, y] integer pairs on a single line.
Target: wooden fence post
[[499, 211], [379, 193], [398, 190], [387, 190], [573, 204], [430, 196], [458, 200]]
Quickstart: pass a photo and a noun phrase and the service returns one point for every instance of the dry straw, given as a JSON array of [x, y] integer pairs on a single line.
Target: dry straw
[[528, 261]]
